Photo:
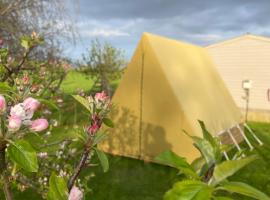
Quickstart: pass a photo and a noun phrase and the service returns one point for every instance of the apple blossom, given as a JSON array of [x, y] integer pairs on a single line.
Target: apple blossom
[[2, 104], [14, 123], [101, 96], [39, 125], [31, 104], [19, 111], [75, 194]]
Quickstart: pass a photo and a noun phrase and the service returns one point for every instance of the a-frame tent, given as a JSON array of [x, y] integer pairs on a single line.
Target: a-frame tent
[[166, 88]]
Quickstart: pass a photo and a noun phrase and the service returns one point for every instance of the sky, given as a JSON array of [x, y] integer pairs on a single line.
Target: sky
[[200, 22]]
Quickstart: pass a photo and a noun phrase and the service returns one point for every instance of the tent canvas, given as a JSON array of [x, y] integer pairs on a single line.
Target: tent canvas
[[166, 88]]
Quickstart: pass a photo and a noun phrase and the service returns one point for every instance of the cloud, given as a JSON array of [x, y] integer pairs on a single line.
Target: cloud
[[122, 22], [107, 28], [103, 33]]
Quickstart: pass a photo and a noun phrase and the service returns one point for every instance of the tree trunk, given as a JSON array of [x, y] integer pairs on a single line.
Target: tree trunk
[[105, 86]]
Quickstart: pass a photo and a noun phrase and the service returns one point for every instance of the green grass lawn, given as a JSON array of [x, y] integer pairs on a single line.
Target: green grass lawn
[[75, 81], [131, 179]]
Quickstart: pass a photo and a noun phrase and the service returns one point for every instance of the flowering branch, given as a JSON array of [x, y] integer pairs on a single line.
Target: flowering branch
[[80, 165], [12, 121], [16, 69], [99, 107]]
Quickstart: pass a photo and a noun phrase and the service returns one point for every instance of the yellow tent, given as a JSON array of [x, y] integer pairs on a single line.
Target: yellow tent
[[166, 88]]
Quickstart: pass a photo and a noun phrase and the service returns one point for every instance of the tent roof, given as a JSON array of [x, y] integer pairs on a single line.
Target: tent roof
[[242, 37], [195, 82]]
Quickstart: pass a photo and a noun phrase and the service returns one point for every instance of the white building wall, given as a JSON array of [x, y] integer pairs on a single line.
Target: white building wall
[[245, 58]]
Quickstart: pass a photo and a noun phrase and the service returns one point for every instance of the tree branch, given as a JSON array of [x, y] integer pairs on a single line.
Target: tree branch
[[80, 165], [4, 177], [16, 69]]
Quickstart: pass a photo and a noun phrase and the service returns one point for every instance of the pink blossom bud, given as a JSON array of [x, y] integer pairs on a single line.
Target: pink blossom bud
[[101, 96], [21, 88], [2, 104], [93, 129], [26, 80], [75, 194], [34, 88], [31, 104], [14, 123], [39, 125]]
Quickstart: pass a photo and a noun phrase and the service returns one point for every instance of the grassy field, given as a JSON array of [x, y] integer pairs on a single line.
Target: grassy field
[[130, 179], [75, 81]]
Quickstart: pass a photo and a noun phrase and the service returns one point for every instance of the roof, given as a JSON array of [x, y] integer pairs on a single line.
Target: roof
[[242, 37], [156, 38]]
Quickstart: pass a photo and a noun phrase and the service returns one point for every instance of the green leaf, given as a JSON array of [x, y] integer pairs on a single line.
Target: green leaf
[[222, 198], [3, 54], [48, 103], [203, 170], [230, 167], [103, 160], [108, 122], [206, 134], [198, 163], [213, 141], [23, 154], [82, 101], [5, 87], [244, 189], [25, 42], [99, 137], [206, 150], [189, 190], [239, 154], [173, 160], [57, 188]]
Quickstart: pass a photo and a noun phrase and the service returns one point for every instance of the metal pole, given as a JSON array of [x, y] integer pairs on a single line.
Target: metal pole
[[245, 137], [220, 142], [253, 134], [247, 104], [234, 141]]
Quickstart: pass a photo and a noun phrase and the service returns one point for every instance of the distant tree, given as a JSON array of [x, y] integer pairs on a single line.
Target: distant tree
[[40, 55], [46, 17], [104, 63]]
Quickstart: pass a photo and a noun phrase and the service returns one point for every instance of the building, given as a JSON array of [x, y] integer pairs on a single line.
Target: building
[[244, 65]]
